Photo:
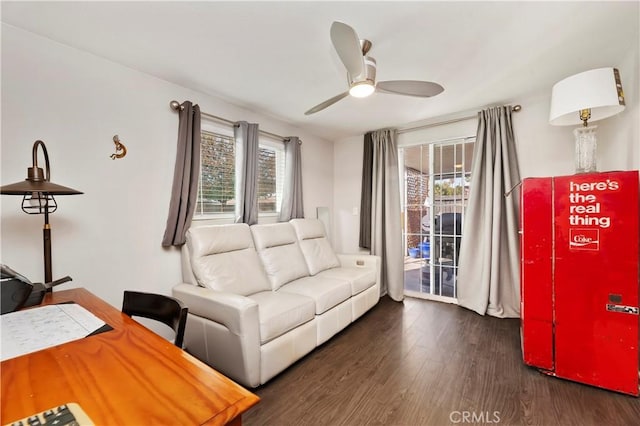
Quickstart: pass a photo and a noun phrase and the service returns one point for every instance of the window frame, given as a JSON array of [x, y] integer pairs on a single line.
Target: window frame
[[263, 142], [436, 203]]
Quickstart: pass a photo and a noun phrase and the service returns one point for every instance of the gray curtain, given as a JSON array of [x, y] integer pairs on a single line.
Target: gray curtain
[[185, 176], [292, 207], [247, 152], [489, 271], [365, 193], [386, 229]]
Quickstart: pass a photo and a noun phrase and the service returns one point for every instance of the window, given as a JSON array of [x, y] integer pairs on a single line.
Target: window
[[216, 186], [436, 182], [270, 176]]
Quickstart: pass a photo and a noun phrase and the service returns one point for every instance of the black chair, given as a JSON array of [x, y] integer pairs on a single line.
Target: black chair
[[165, 309]]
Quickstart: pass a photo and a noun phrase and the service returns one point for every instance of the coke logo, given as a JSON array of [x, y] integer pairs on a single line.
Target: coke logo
[[582, 239]]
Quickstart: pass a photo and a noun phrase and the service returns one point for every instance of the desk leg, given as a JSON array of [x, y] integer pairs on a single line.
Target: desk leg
[[236, 422]]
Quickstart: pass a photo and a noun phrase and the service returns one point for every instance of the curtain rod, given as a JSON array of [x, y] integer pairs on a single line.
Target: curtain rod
[[175, 105], [516, 108]]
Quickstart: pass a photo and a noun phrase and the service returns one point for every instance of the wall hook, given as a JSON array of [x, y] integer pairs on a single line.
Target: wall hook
[[121, 150]]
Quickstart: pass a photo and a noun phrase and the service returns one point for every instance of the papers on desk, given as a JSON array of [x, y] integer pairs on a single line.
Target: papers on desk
[[39, 328]]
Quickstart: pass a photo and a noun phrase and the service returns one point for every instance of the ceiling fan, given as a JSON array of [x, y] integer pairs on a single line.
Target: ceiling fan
[[361, 71]]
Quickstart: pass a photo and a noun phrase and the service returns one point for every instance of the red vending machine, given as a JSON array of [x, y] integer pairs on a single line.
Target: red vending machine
[[579, 278]]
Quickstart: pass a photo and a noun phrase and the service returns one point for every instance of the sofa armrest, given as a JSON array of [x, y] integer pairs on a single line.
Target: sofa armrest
[[238, 313], [367, 261], [359, 260]]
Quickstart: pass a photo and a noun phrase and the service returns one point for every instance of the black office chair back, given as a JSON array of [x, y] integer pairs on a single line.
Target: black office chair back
[[165, 309]]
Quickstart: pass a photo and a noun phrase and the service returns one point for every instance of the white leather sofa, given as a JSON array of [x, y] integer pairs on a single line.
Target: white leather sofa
[[262, 297]]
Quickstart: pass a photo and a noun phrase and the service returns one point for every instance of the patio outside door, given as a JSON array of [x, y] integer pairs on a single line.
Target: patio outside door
[[434, 197]]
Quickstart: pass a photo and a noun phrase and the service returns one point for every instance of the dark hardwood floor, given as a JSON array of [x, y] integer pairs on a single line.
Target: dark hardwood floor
[[428, 363]]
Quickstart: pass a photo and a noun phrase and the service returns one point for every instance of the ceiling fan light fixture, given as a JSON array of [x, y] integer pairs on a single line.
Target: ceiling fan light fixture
[[361, 71], [362, 89]]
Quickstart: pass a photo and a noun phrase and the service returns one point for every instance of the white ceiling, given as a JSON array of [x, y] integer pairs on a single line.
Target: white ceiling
[[276, 58]]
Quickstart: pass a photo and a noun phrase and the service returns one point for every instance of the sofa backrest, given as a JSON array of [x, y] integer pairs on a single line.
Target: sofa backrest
[[223, 258], [315, 246], [280, 253]]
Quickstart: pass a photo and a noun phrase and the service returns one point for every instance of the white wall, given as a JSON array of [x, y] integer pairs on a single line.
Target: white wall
[[346, 200], [619, 136], [108, 239], [543, 150]]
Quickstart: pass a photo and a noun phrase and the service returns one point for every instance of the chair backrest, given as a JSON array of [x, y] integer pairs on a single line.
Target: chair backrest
[[158, 307]]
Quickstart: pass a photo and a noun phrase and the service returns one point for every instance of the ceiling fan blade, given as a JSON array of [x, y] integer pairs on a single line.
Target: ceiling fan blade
[[347, 45], [422, 89], [326, 103]]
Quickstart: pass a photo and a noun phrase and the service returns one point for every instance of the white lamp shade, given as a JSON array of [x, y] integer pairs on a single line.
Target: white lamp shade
[[599, 90]]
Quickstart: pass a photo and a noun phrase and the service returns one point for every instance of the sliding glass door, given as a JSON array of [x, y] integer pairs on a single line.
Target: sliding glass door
[[435, 193]]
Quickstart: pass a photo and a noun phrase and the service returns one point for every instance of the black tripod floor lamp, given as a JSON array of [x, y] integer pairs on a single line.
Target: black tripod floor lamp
[[37, 198]]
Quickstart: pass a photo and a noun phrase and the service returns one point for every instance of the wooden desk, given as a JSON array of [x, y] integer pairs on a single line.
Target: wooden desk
[[126, 376]]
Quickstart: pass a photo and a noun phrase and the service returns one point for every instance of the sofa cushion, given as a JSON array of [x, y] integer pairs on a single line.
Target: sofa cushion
[[223, 258], [280, 253], [317, 250], [360, 279], [281, 312], [326, 292]]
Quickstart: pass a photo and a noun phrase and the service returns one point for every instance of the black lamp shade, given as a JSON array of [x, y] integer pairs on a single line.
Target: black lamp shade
[[38, 180], [29, 187]]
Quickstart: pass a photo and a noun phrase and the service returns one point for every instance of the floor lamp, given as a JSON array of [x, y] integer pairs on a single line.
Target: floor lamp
[[37, 198]]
